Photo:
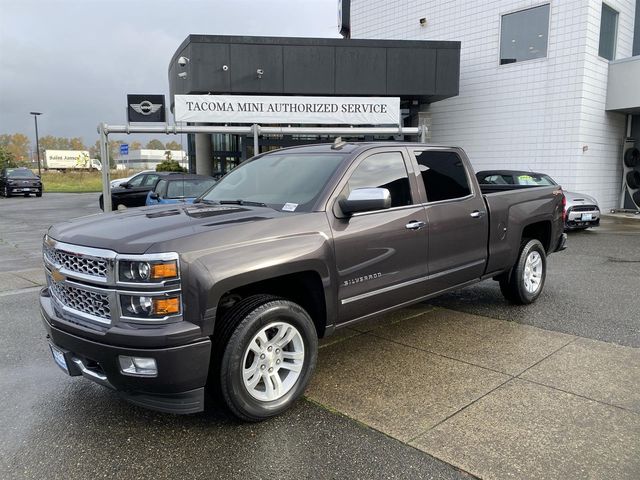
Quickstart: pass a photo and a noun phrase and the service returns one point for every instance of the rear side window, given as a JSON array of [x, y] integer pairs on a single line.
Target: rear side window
[[150, 180], [443, 174], [383, 170]]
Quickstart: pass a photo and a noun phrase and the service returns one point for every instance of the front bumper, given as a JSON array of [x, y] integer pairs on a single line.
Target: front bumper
[[182, 370], [14, 189], [583, 218]]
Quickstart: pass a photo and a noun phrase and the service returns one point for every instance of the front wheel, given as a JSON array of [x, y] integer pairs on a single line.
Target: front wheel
[[269, 357], [525, 282]]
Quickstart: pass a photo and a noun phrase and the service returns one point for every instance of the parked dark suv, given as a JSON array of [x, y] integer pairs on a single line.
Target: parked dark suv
[[19, 181], [134, 192]]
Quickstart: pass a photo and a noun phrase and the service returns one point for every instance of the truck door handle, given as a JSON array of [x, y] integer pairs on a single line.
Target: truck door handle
[[477, 213], [414, 225]]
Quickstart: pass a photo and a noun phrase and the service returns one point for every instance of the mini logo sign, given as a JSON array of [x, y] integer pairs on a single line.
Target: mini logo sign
[[146, 108]]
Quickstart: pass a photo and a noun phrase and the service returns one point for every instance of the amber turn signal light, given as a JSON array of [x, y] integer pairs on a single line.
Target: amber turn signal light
[[164, 270], [166, 306]]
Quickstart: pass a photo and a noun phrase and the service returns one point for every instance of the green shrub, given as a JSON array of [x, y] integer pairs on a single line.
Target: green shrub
[[170, 166]]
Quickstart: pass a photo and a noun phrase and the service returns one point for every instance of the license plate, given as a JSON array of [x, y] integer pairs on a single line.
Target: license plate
[[587, 216], [58, 356]]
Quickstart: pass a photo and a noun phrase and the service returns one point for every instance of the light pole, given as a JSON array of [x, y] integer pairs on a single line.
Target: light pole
[[35, 118]]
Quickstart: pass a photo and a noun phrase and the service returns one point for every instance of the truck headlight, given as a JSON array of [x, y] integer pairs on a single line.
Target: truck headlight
[[147, 271], [149, 307]]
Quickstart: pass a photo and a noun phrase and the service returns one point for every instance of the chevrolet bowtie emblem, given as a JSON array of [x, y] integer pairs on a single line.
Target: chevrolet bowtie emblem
[[57, 276]]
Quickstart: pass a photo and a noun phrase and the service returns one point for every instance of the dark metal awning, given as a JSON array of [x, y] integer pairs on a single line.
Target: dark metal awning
[[426, 71]]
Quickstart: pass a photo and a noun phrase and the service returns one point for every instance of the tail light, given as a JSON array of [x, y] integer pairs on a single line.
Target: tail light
[[564, 208]]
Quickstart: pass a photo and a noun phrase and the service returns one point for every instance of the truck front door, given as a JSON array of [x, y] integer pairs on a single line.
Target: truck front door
[[380, 255], [457, 215]]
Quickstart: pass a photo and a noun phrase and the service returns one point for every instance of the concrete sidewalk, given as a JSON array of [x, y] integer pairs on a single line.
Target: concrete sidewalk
[[494, 398]]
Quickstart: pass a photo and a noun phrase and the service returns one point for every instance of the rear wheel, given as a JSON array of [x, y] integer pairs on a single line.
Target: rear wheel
[[268, 349], [525, 282]]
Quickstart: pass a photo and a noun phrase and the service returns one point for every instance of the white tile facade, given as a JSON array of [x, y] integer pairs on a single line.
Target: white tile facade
[[545, 114]]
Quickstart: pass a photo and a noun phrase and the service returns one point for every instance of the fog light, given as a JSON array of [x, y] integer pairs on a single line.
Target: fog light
[[138, 366]]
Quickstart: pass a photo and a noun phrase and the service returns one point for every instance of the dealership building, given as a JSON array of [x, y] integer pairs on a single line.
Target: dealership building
[[548, 86]]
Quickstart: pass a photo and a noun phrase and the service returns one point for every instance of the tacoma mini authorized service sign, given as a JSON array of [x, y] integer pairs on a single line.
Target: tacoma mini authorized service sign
[[297, 110]]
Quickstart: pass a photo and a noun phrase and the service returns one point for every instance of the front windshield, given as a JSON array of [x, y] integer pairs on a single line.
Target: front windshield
[[534, 179], [288, 181], [21, 173]]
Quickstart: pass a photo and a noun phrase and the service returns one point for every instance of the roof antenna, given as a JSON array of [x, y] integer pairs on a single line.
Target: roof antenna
[[338, 143]]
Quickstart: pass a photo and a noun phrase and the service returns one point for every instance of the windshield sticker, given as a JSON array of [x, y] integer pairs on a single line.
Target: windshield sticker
[[289, 207]]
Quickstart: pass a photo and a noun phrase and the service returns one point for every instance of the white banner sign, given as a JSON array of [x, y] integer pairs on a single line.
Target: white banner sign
[[287, 110]]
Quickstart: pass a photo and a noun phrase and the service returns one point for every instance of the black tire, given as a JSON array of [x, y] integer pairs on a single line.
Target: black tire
[[235, 331], [632, 157], [39, 194], [636, 198], [27, 194], [512, 285], [633, 179]]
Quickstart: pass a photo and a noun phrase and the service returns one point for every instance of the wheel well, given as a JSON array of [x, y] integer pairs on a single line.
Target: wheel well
[[303, 288], [540, 231]]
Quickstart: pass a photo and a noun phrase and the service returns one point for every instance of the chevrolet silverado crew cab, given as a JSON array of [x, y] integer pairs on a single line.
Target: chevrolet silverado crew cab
[[230, 295]]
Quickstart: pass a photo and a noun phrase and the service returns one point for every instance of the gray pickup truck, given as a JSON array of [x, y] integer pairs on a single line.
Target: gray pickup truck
[[229, 295]]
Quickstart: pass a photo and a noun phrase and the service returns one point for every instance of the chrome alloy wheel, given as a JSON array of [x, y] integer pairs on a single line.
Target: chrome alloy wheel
[[532, 277], [273, 361]]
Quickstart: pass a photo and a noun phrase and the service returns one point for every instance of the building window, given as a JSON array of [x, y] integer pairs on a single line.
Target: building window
[[608, 32], [524, 35]]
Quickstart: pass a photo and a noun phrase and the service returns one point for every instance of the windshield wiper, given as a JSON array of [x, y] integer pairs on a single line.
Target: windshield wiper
[[242, 202]]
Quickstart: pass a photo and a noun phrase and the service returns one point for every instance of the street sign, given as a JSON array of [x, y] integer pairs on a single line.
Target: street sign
[[124, 149]]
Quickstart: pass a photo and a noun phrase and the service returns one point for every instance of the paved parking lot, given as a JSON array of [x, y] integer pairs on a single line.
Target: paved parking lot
[[466, 386]]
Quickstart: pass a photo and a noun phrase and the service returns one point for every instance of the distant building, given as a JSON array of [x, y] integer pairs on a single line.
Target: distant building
[[145, 159]]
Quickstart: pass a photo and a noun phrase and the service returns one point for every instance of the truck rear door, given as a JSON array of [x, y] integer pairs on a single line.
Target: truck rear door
[[458, 225]]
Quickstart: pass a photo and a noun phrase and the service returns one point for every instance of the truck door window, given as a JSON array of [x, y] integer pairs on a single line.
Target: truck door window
[[383, 170], [443, 174]]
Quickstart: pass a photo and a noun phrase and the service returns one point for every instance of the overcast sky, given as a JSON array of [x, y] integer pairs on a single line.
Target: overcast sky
[[75, 60]]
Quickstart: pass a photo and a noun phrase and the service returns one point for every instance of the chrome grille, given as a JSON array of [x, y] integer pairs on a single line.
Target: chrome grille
[[86, 265], [93, 303]]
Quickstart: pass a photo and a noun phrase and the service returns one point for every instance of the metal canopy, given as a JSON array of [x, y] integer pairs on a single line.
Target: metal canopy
[[256, 130]]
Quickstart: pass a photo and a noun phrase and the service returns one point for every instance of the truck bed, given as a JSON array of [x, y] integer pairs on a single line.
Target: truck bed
[[512, 208]]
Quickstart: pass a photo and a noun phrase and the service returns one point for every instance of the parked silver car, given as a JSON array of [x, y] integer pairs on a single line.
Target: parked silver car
[[581, 211]]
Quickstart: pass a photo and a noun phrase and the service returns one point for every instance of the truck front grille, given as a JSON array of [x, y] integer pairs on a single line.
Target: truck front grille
[[83, 264], [84, 301]]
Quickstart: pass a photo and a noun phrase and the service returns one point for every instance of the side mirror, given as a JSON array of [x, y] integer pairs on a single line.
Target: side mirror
[[125, 185], [365, 200], [154, 196]]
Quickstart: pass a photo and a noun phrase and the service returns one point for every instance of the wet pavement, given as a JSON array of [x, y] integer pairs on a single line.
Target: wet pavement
[[468, 384]]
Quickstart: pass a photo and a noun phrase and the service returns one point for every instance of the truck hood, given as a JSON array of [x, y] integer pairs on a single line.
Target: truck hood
[[136, 230]]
